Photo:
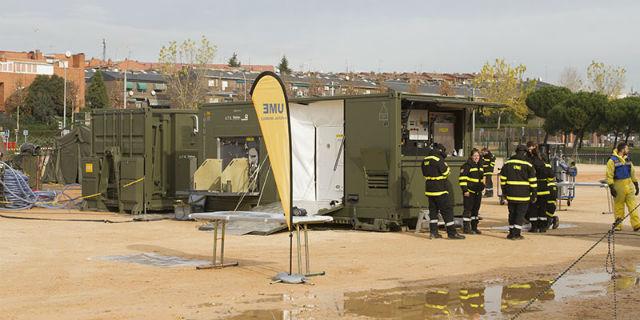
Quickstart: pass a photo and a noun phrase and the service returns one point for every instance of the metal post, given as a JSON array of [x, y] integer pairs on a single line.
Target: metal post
[[224, 223], [299, 249], [124, 100], [306, 249], [245, 86], [473, 128], [64, 99], [215, 242]]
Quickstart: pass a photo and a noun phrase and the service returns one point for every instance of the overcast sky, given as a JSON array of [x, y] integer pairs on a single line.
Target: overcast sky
[[331, 35]]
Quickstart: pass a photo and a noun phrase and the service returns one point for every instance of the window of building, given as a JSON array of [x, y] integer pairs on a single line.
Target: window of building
[[213, 82], [142, 87], [225, 85]]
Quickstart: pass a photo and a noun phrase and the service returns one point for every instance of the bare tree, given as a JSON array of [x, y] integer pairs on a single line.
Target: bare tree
[[115, 94], [17, 99], [605, 79], [571, 79], [446, 89], [184, 67]]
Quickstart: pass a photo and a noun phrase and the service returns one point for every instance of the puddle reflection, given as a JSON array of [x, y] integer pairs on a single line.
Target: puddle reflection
[[463, 301]]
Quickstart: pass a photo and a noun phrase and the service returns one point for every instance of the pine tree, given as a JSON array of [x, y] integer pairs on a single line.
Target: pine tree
[[97, 97], [233, 61], [284, 65]]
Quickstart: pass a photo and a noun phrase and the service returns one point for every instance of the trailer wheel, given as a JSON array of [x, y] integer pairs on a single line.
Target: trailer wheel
[[568, 203]]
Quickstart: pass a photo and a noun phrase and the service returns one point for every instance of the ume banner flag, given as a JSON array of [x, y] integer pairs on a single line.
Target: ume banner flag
[[271, 105]]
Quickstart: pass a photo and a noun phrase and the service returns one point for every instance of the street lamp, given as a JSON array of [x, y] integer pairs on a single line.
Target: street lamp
[[64, 99]]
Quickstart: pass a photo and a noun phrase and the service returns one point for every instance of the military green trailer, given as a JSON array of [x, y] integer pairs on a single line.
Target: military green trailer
[[358, 157], [141, 159]]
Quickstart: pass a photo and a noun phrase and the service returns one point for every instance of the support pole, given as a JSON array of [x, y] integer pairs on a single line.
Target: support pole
[[299, 249], [215, 242], [306, 249]]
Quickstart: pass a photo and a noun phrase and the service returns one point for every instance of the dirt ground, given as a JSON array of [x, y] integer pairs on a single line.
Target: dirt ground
[[54, 270]]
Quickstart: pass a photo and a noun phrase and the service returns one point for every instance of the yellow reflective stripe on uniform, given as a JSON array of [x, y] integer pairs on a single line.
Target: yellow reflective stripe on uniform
[[473, 180], [436, 178], [549, 214], [551, 202], [503, 177], [463, 178], [518, 183], [473, 169], [463, 183], [533, 185], [533, 179], [547, 165], [519, 286], [435, 194], [544, 193], [519, 162], [435, 306], [518, 198], [469, 296], [432, 157], [446, 172], [488, 173], [551, 184]]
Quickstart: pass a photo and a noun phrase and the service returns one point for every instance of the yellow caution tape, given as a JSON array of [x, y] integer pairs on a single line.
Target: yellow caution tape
[[132, 183]]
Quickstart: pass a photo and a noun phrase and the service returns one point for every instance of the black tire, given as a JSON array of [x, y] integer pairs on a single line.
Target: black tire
[[568, 203]]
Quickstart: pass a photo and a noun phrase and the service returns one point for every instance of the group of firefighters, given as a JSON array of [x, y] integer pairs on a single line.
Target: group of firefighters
[[528, 183], [526, 179]]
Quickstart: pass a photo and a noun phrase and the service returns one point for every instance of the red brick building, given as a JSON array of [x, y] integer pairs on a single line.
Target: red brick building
[[19, 69]]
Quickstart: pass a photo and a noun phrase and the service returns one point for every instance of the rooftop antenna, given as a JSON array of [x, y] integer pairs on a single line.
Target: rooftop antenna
[[104, 50]]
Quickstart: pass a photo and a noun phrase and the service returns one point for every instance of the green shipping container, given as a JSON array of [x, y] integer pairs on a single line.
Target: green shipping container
[[141, 159]]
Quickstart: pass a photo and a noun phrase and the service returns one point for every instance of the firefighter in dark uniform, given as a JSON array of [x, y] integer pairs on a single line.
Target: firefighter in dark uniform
[[537, 211], [488, 164], [550, 208], [518, 182], [436, 173], [471, 183]]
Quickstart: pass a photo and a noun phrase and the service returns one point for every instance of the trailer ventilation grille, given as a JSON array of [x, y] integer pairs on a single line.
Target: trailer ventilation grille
[[378, 180]]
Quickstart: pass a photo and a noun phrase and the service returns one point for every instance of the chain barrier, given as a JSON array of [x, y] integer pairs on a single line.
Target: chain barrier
[[610, 259]]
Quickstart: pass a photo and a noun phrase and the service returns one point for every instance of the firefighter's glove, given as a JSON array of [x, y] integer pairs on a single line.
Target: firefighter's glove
[[612, 190], [534, 198], [635, 184]]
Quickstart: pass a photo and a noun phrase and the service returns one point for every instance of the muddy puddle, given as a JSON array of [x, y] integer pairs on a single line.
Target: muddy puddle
[[486, 300], [155, 260]]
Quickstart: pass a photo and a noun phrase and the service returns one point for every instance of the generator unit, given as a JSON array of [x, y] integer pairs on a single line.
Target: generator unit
[[141, 159], [357, 158]]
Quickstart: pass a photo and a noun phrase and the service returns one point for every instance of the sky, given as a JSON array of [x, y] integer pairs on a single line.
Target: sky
[[339, 35]]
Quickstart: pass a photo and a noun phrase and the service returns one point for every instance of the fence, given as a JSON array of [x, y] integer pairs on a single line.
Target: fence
[[502, 142]]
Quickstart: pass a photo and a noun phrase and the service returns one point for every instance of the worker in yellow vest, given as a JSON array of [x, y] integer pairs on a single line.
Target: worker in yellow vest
[[623, 185]]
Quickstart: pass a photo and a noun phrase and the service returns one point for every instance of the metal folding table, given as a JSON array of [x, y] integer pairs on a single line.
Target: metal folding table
[[221, 218]]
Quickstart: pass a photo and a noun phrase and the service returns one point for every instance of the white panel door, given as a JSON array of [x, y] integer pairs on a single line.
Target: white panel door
[[329, 163]]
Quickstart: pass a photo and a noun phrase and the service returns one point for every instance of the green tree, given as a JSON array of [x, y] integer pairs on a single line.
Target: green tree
[[284, 65], [502, 83], [605, 79], [623, 117], [97, 96], [584, 112], [184, 67], [233, 61], [542, 101]]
